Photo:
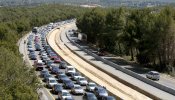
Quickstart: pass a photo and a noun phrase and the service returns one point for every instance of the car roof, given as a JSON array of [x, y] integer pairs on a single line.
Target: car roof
[[70, 67], [154, 72], [89, 93], [91, 83], [77, 85], [52, 78], [39, 61], [64, 91]]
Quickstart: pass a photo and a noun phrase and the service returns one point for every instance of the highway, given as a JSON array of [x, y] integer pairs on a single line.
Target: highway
[[46, 93], [138, 83], [90, 71], [58, 41]]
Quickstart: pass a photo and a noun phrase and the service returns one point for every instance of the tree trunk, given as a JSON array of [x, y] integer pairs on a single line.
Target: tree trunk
[[119, 47], [132, 55]]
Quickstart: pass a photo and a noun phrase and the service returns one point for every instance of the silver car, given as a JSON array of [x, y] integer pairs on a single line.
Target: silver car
[[154, 75], [90, 86], [77, 89], [82, 81]]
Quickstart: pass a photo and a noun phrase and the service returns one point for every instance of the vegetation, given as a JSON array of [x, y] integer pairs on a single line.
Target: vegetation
[[146, 34], [18, 82]]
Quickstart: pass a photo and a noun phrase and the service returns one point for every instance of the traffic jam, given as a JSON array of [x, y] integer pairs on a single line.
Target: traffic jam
[[60, 78]]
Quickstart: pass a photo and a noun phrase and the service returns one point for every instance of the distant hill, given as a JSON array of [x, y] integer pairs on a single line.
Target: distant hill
[[79, 2]]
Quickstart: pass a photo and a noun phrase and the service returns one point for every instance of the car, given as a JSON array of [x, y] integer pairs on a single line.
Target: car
[[69, 70], [29, 46], [77, 89], [50, 82], [38, 64], [90, 86], [57, 88], [59, 73], [53, 65], [29, 43], [68, 84], [37, 47], [154, 75], [62, 77], [30, 49], [57, 60], [75, 76], [45, 59], [100, 92], [55, 70], [63, 95], [108, 98], [63, 65], [49, 62], [46, 77], [43, 56], [44, 72], [33, 57], [89, 96], [82, 81], [42, 51], [53, 56]]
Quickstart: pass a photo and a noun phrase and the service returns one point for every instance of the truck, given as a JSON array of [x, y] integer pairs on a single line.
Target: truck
[[35, 30], [82, 37]]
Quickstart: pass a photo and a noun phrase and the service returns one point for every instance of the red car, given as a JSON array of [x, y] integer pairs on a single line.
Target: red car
[[53, 56], [57, 60]]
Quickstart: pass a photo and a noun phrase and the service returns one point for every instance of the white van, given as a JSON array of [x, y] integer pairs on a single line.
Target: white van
[[154, 75], [69, 70]]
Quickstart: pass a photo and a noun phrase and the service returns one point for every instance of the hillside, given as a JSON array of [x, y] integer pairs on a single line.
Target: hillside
[[79, 2]]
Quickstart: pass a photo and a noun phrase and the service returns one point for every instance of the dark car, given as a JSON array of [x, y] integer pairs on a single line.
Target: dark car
[[63, 64], [46, 77], [68, 84], [89, 96], [100, 92], [37, 47], [57, 88], [44, 72], [62, 77], [55, 70], [108, 98], [49, 62], [33, 57]]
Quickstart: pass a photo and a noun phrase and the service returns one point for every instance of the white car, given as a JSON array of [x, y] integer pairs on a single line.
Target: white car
[[77, 89], [69, 70], [76, 76], [154, 75], [82, 81], [51, 82], [90, 86], [64, 94]]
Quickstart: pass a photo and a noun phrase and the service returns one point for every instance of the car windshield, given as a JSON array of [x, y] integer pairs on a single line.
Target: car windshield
[[63, 76], [92, 97], [45, 71], [58, 87], [52, 81], [66, 94], [102, 91], [76, 74], [155, 73], [92, 85], [77, 87], [70, 69], [110, 98], [82, 79]]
